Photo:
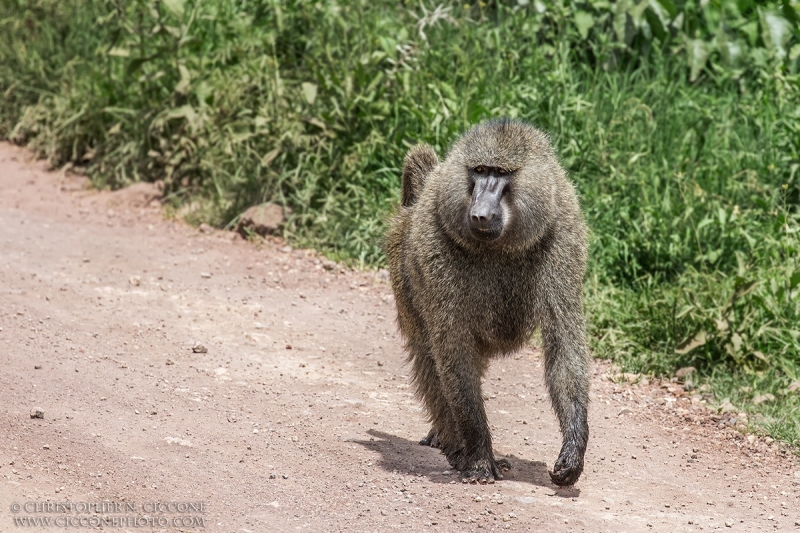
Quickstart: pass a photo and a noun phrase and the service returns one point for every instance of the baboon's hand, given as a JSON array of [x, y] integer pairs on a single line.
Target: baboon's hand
[[568, 467], [432, 440], [485, 471]]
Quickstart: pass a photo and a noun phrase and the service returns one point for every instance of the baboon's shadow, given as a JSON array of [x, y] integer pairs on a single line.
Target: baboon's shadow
[[403, 455]]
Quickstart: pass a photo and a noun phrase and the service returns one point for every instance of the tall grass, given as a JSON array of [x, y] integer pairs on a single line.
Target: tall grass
[[680, 125]]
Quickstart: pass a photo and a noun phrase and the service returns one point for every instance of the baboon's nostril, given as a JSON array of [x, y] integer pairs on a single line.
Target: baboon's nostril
[[482, 219]]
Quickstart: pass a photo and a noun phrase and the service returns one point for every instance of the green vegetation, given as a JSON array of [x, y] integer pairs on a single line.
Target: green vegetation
[[679, 122]]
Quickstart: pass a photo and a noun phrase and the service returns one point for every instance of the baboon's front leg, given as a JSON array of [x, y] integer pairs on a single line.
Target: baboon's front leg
[[461, 382], [567, 375]]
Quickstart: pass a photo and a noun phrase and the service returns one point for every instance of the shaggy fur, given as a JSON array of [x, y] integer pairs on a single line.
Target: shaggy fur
[[462, 301]]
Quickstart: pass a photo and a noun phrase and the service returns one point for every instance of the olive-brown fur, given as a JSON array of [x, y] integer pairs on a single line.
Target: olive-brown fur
[[462, 301]]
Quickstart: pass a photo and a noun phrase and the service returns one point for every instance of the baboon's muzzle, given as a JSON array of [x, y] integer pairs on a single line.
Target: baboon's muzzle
[[486, 210]]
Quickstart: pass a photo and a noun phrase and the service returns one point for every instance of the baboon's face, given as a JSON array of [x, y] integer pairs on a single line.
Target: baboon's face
[[488, 208], [496, 186]]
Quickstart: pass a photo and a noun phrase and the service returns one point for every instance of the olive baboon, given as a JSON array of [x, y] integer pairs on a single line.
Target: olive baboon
[[488, 245]]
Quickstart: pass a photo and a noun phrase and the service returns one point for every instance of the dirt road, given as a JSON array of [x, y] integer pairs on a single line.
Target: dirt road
[[299, 416]]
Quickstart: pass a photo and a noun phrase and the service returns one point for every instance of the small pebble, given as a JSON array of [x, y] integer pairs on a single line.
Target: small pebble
[[285, 476], [135, 281], [728, 523], [37, 412], [37, 367], [46, 447], [170, 362], [199, 348], [205, 275]]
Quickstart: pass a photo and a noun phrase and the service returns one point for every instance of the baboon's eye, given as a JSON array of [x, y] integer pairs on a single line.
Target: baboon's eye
[[480, 169], [501, 171]]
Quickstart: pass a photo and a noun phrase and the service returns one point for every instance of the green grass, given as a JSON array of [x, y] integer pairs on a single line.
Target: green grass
[[686, 158]]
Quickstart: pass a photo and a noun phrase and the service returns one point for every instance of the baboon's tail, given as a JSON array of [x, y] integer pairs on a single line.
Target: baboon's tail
[[418, 163]]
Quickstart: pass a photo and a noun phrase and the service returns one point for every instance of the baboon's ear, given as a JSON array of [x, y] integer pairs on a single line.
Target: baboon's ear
[[418, 163]]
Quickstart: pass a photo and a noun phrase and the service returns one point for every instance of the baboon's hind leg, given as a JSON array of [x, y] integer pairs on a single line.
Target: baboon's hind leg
[[431, 439], [443, 433]]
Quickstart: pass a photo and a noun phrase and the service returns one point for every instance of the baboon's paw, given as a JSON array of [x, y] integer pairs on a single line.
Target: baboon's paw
[[484, 471], [479, 478], [503, 465], [568, 467], [431, 440]]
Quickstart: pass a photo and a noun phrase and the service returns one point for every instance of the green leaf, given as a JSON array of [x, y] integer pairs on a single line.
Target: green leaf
[[637, 13], [175, 6], [775, 31], [185, 111], [658, 19], [666, 5], [794, 53], [691, 342], [309, 92], [119, 52], [698, 55], [743, 287], [794, 280], [270, 157], [623, 26], [584, 22], [734, 347], [182, 86]]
